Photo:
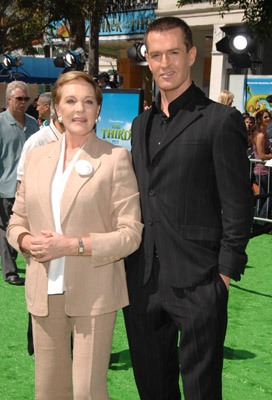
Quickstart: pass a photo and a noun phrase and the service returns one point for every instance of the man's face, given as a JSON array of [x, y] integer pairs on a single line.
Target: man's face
[[17, 103], [169, 60], [42, 109]]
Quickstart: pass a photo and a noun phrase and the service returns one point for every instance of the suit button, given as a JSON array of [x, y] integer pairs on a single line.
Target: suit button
[[150, 223], [151, 192]]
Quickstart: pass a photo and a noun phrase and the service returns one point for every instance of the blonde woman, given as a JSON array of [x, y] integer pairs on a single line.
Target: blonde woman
[[76, 216], [226, 98]]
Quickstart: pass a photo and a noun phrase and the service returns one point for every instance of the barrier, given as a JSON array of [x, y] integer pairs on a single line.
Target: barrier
[[262, 188]]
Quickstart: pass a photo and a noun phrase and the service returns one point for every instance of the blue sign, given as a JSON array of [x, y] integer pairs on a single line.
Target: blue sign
[[127, 23], [118, 24], [119, 108]]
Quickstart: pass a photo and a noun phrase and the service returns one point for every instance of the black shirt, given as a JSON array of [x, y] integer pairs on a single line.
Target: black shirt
[[161, 124]]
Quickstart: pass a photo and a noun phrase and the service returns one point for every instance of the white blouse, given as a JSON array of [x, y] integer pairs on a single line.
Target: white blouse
[[56, 269]]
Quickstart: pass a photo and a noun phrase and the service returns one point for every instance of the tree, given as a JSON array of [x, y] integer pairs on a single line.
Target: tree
[[23, 21], [19, 26], [257, 13]]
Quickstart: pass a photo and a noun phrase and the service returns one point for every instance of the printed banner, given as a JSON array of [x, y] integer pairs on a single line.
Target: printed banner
[[119, 108], [257, 91]]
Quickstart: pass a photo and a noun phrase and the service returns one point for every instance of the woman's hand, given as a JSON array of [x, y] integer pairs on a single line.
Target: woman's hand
[[51, 245]]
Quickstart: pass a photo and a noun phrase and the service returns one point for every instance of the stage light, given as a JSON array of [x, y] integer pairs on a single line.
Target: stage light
[[239, 43], [8, 61], [71, 60], [137, 52]]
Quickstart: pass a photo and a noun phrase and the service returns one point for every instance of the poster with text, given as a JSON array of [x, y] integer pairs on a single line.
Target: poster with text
[[119, 108]]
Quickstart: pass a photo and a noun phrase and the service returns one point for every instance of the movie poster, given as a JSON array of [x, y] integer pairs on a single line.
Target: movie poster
[[119, 108], [257, 90]]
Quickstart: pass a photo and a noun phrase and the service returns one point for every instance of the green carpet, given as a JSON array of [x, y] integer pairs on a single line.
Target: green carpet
[[247, 373]]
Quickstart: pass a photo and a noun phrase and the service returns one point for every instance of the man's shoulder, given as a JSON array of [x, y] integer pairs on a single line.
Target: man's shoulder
[[42, 136], [31, 121], [5, 116]]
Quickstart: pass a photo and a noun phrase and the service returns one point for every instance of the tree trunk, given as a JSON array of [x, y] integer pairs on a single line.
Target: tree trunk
[[93, 47], [77, 33]]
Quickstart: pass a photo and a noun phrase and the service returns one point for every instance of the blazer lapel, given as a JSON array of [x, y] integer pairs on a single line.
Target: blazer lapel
[[76, 181], [145, 127], [47, 168]]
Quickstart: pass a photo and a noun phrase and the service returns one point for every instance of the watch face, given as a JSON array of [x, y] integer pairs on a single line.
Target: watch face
[[80, 246]]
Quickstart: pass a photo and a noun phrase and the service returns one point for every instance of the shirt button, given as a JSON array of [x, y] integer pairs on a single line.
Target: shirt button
[[151, 192]]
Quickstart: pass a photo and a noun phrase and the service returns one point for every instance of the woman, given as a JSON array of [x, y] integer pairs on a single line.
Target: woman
[[262, 151], [76, 216], [226, 98]]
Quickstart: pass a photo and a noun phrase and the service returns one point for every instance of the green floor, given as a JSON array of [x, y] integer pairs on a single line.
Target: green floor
[[247, 371]]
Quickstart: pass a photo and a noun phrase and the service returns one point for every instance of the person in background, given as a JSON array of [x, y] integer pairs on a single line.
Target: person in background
[[50, 133], [226, 98], [189, 156], [15, 128], [103, 80], [75, 218], [262, 151], [32, 109], [249, 122], [44, 107]]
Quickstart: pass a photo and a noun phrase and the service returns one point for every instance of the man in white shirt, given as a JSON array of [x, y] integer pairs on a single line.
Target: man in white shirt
[[50, 133]]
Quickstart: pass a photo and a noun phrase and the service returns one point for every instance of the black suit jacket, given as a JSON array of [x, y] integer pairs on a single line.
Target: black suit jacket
[[196, 198]]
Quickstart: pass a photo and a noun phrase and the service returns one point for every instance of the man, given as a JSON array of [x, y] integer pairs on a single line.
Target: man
[[15, 127], [43, 107], [190, 159], [50, 133], [103, 80]]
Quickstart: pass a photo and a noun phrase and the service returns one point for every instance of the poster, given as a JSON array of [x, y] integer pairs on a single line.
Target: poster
[[257, 90], [119, 108]]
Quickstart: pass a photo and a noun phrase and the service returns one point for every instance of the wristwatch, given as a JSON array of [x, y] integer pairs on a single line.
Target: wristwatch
[[80, 247]]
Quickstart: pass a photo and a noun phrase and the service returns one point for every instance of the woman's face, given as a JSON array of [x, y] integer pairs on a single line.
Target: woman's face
[[266, 119], [78, 107]]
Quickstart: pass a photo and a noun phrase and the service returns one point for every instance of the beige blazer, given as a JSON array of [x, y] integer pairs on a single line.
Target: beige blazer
[[104, 205]]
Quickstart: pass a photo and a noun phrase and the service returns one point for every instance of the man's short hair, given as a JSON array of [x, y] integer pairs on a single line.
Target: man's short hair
[[167, 23], [45, 98], [14, 85]]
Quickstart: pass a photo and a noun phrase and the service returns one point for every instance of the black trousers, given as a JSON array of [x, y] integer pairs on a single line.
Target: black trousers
[[7, 253], [157, 314]]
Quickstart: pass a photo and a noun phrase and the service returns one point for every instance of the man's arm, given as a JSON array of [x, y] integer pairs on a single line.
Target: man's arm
[[232, 174]]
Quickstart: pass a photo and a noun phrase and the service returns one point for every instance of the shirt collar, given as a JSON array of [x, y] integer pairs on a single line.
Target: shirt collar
[[180, 103]]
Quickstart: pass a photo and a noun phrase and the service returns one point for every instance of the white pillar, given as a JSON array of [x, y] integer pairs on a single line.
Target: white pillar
[[218, 66]]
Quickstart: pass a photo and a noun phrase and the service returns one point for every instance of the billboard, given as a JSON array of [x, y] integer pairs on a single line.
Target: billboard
[[119, 108], [257, 90]]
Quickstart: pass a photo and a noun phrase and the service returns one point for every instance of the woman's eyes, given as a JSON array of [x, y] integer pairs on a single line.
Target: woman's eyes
[[72, 101]]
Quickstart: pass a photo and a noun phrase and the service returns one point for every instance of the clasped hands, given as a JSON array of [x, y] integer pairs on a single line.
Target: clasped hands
[[48, 246]]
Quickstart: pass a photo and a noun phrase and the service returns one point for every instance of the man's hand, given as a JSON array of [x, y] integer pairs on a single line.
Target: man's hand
[[226, 279]]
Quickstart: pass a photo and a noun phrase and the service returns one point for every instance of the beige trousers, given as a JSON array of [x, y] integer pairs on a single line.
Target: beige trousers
[[56, 367]]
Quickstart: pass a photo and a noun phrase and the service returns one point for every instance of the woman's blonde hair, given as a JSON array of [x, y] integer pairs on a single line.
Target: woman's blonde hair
[[70, 76], [226, 98]]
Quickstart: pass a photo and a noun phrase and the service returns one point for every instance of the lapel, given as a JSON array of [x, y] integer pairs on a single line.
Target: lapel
[[76, 181], [187, 117], [47, 168], [145, 126]]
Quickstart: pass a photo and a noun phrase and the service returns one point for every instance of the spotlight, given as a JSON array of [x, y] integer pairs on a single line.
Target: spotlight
[[137, 52], [71, 60], [8, 61], [239, 43]]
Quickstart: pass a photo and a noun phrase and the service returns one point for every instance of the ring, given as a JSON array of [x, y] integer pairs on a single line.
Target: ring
[[39, 254]]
